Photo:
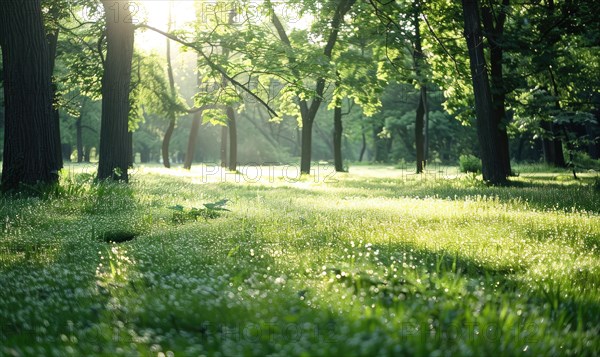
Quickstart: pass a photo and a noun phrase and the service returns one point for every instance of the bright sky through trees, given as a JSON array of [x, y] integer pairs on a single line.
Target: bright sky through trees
[[156, 13]]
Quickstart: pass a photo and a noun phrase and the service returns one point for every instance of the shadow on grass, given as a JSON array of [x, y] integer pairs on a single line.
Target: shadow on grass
[[559, 298], [541, 195]]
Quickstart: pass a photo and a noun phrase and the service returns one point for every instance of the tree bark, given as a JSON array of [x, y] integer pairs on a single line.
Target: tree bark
[[421, 113], [114, 134], [337, 138], [494, 35], [306, 146], [231, 124], [487, 130], [31, 137]]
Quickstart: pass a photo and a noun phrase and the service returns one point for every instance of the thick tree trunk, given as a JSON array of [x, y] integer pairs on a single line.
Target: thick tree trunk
[[337, 138], [224, 132], [231, 124], [306, 147], [114, 134], [31, 136], [306, 142], [191, 147], [494, 34], [487, 129]]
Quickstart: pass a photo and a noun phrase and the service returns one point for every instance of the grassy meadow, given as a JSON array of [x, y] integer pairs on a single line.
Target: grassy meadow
[[375, 262]]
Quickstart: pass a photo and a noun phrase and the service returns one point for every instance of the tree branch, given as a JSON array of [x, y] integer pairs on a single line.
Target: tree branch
[[212, 65]]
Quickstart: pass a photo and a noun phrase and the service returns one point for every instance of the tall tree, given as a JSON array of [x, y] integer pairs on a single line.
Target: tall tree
[[422, 110], [31, 135], [493, 23], [338, 161], [115, 140], [233, 142], [308, 110], [487, 129]]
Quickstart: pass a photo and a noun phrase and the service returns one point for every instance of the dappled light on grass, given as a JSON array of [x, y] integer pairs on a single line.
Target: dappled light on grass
[[367, 264]]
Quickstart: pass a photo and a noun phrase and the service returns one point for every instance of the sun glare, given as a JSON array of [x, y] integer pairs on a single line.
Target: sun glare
[[156, 14]]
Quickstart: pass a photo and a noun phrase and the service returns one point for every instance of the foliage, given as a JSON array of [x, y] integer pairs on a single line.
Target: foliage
[[469, 163], [210, 210]]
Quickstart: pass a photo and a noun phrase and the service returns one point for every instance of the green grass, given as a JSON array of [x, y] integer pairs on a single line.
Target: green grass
[[374, 262]]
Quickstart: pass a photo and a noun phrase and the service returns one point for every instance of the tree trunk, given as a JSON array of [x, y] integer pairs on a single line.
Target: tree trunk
[[547, 143], [487, 130], [494, 34], [166, 141], [79, 136], [191, 147], [31, 138], [114, 134], [419, 59], [552, 145], [309, 112], [557, 148], [87, 151], [306, 147], [419, 126], [231, 124], [337, 138], [224, 131], [363, 147]]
